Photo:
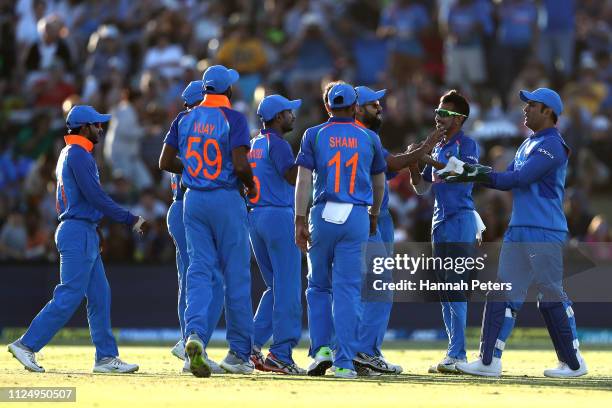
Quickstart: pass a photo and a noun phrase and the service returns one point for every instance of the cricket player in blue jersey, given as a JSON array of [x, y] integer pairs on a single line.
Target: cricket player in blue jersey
[[80, 203], [271, 216], [375, 317], [192, 96], [348, 166], [532, 250], [212, 143], [454, 226]]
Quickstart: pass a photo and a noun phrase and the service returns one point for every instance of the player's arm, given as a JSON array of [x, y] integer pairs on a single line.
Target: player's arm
[[421, 182], [242, 168], [283, 160], [305, 164], [403, 160], [303, 187], [169, 161], [240, 146], [379, 181], [540, 162], [83, 167]]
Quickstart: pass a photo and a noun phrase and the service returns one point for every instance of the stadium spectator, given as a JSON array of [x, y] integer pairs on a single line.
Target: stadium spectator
[[556, 49], [243, 51], [13, 237], [122, 142], [516, 33], [468, 23], [403, 22], [49, 46]]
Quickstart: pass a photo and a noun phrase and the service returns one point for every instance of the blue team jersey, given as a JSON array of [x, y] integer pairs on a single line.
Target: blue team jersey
[[207, 134], [451, 198], [342, 156], [536, 177], [79, 194], [270, 158]]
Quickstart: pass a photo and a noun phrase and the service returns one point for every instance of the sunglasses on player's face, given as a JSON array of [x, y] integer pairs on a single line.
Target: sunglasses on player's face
[[443, 113]]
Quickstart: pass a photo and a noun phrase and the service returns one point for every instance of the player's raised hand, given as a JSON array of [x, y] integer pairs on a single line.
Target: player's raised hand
[[434, 137], [302, 235]]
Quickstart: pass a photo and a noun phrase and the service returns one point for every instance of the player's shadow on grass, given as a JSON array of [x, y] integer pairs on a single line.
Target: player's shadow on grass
[[583, 383], [586, 383]]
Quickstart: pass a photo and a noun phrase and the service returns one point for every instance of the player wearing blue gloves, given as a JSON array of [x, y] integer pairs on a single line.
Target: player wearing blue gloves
[[192, 96], [532, 251], [271, 215], [80, 203]]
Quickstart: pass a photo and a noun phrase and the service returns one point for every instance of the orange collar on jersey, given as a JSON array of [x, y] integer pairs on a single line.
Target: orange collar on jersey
[[79, 141], [360, 124], [216, 101]]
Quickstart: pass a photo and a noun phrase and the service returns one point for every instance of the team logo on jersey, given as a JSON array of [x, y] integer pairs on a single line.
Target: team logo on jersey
[[546, 153]]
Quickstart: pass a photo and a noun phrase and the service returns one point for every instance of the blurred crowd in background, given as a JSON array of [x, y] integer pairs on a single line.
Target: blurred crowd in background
[[132, 59]]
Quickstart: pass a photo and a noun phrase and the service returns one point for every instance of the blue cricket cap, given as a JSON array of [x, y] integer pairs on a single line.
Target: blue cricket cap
[[81, 115], [217, 79], [273, 104], [193, 93], [366, 95], [546, 96], [341, 96]]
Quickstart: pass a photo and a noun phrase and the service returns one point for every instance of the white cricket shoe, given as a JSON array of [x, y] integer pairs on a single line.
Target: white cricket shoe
[[564, 371], [397, 369], [25, 356], [186, 367], [215, 368], [235, 365], [178, 350], [478, 368], [114, 365], [345, 373], [448, 365]]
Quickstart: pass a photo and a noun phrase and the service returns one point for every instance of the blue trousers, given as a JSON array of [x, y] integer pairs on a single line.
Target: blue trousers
[[459, 228], [531, 256], [334, 283], [218, 244], [81, 275], [176, 228], [279, 314], [375, 316]]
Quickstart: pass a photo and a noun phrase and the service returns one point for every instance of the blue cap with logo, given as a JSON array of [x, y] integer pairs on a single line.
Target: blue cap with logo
[[193, 93], [217, 79], [366, 95], [341, 96], [81, 115], [546, 96], [273, 104]]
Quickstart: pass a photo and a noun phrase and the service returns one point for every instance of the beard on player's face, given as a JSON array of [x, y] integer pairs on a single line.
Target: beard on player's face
[[373, 120]]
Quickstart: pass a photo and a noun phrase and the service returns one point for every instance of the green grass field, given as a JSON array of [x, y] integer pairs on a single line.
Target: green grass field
[[159, 384]]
